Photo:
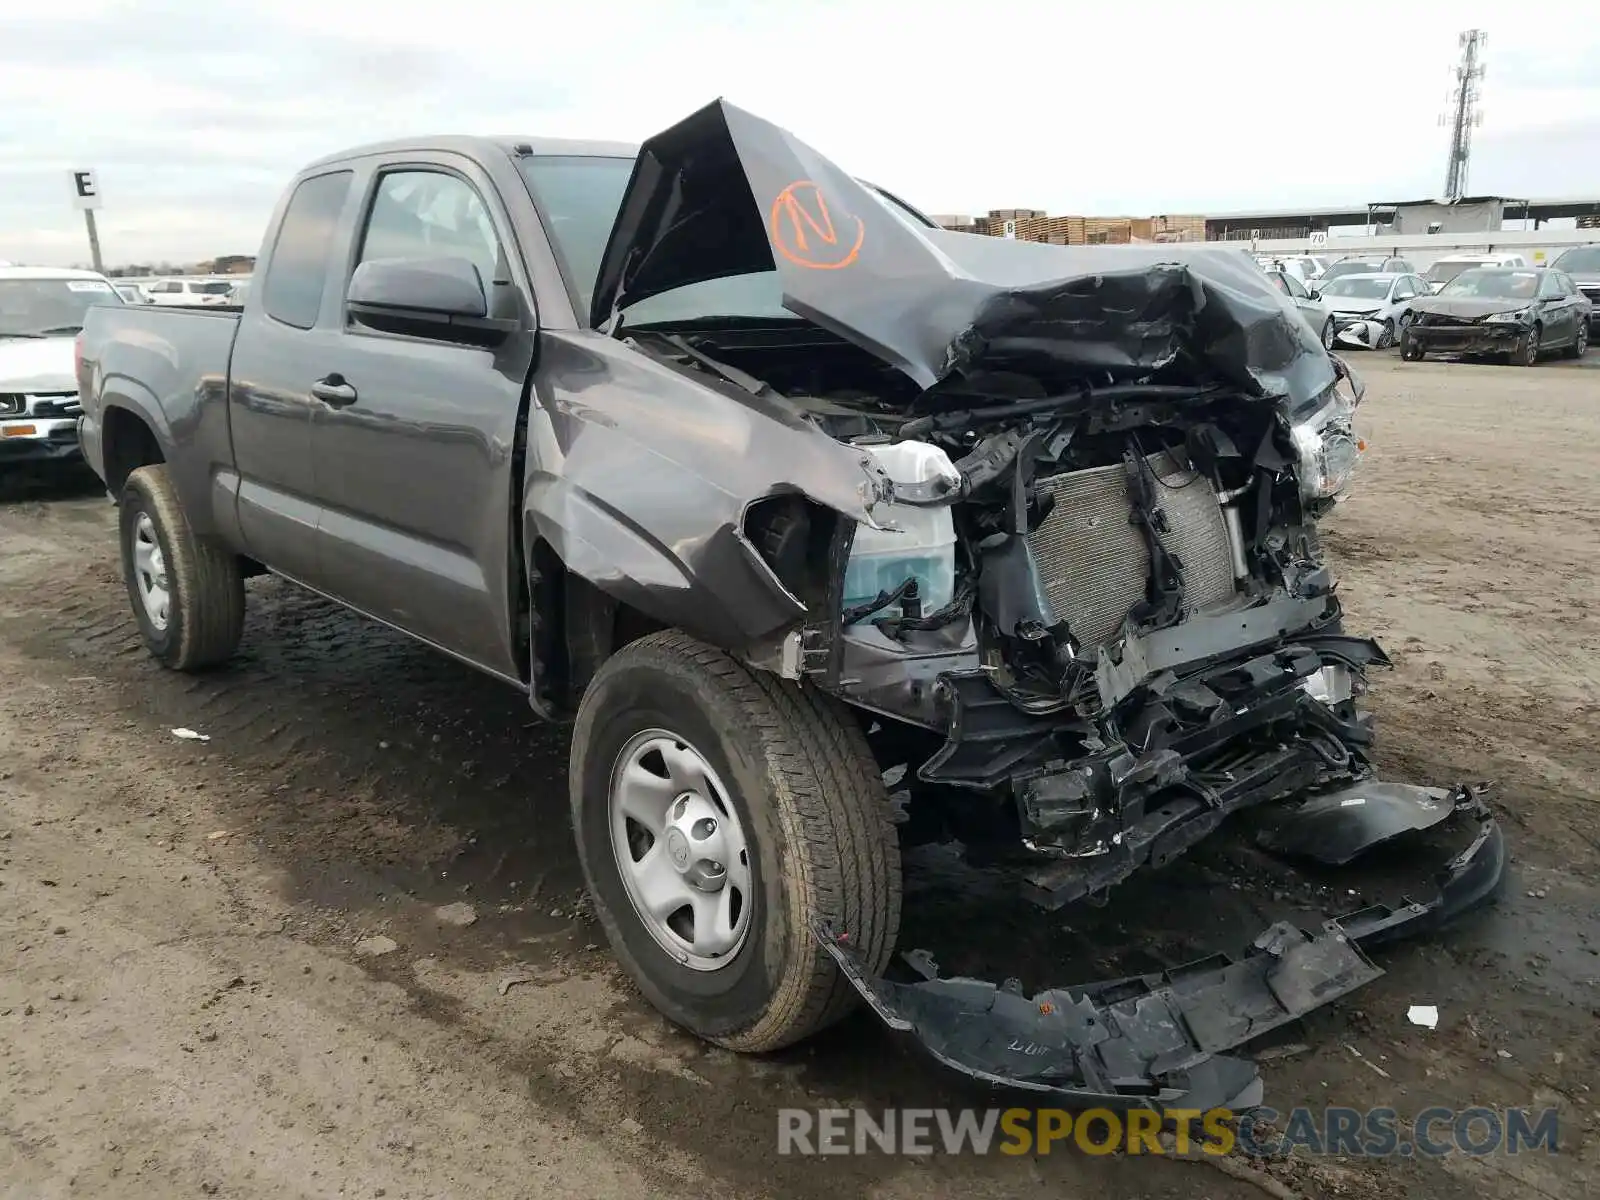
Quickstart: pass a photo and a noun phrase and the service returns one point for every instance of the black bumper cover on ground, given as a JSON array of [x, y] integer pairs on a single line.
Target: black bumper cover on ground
[[1158, 1040]]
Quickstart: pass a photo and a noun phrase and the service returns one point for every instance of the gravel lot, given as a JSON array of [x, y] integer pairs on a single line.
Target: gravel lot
[[190, 1002]]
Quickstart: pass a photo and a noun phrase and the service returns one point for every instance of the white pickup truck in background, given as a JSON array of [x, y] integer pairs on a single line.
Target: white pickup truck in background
[[41, 312]]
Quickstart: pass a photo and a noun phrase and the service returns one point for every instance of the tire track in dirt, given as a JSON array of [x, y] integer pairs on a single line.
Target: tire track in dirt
[[423, 784]]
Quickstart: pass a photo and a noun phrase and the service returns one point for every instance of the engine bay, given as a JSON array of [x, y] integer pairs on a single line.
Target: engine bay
[[1094, 599]]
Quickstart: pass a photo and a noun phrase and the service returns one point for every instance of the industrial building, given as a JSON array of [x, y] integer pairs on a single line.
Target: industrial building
[[1470, 214]]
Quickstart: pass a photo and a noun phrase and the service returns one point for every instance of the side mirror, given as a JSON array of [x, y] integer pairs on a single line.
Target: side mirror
[[429, 297], [1314, 294]]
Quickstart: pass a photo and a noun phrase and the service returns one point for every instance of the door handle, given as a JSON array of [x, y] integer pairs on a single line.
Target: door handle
[[334, 391]]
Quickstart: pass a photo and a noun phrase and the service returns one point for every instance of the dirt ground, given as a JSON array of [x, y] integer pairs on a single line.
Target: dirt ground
[[191, 1000]]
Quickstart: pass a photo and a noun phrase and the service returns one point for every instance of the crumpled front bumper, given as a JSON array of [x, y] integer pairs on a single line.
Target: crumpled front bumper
[[1354, 329], [26, 439], [1159, 1040], [1483, 337]]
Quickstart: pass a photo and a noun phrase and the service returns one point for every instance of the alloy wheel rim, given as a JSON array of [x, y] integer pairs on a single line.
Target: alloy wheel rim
[[680, 849]]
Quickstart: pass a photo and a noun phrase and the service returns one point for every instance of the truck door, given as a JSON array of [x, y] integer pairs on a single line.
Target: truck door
[[269, 398], [1558, 311], [413, 439]]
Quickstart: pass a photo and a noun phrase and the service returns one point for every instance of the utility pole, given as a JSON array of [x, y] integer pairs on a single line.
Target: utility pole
[[1465, 114], [94, 241], [86, 196]]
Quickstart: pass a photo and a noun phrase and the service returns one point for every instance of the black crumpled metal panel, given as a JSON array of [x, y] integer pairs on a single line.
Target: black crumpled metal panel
[[726, 193]]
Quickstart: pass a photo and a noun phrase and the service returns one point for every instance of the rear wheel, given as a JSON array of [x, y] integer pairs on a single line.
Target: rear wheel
[[719, 814], [187, 591], [1580, 343]]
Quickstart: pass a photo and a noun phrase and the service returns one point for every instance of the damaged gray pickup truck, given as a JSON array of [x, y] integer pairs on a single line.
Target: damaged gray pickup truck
[[777, 491]]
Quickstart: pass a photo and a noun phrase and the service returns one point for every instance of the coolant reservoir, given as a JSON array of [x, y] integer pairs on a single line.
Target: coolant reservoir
[[922, 547]]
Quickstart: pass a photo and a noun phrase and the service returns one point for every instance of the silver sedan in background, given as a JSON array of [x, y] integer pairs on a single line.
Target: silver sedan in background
[[1370, 310]]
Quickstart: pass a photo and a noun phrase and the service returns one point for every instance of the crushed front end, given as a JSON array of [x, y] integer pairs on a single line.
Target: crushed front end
[[1144, 640], [1142, 637], [1082, 608]]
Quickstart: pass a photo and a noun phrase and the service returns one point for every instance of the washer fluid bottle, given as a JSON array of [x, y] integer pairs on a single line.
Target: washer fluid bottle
[[923, 546]]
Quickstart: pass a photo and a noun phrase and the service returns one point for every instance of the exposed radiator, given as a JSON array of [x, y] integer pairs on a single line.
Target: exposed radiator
[[1094, 560]]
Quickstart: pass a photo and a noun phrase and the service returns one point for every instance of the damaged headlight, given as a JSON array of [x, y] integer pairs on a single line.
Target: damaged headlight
[[1509, 318], [1326, 446], [1331, 685]]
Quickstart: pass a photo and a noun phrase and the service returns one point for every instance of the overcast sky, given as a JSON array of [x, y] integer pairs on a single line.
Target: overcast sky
[[194, 112]]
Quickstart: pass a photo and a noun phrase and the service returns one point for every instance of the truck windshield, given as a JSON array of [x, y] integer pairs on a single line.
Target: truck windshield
[[49, 307], [580, 196]]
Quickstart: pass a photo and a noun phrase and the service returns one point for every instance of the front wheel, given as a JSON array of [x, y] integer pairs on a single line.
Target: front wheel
[[1385, 335], [1526, 351], [1327, 334], [187, 591], [1410, 348], [719, 814]]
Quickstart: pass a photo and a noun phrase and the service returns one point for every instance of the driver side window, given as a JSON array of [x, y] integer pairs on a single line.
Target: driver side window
[[430, 214]]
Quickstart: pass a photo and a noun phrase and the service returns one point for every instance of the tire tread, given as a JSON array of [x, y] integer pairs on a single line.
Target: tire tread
[[831, 798], [208, 585]]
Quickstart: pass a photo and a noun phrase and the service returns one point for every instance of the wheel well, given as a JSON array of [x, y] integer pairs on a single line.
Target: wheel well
[[794, 536], [127, 443], [574, 628]]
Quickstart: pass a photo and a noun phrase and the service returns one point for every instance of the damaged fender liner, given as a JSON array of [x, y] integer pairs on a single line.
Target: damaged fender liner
[[1158, 1040]]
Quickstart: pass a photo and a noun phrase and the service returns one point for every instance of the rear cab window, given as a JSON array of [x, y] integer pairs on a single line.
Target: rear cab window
[[300, 266]]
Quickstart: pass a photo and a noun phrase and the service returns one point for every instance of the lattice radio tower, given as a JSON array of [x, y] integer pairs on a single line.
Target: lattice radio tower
[[1464, 115]]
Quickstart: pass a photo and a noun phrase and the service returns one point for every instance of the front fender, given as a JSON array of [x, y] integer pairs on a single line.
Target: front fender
[[640, 478], [713, 584]]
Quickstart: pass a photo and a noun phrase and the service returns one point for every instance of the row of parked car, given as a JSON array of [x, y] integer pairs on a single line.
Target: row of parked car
[[185, 291], [1492, 304]]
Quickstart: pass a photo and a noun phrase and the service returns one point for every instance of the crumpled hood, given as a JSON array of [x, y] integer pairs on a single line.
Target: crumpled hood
[[1469, 308], [37, 365], [725, 193]]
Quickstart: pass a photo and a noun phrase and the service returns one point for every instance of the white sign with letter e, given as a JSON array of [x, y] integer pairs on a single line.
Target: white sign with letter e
[[85, 190]]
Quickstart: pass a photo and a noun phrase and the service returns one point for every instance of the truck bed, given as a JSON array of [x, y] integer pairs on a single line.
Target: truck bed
[[177, 357]]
